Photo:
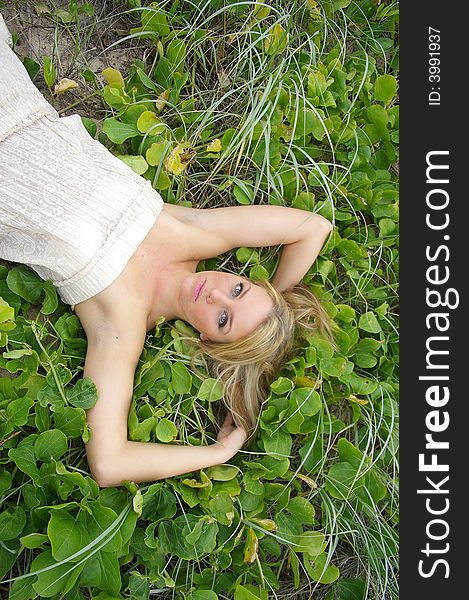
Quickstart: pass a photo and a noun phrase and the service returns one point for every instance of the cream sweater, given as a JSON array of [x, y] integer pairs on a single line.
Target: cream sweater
[[69, 209]]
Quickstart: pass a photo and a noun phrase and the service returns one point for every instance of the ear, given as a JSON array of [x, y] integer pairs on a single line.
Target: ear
[[204, 338]]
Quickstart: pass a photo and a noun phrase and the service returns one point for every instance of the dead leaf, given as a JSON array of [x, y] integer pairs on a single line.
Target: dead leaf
[[312, 484], [251, 546], [161, 101], [214, 146], [356, 400], [64, 85]]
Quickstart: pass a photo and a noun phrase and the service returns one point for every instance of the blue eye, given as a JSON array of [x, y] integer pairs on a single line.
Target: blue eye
[[238, 286], [223, 320]]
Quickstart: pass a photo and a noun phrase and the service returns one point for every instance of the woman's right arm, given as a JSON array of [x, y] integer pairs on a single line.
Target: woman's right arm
[[110, 362]]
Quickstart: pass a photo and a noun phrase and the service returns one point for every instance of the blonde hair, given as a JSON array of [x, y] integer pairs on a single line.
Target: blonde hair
[[247, 366]]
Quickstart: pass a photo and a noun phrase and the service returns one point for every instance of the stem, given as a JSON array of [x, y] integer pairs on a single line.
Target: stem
[[49, 362], [95, 93]]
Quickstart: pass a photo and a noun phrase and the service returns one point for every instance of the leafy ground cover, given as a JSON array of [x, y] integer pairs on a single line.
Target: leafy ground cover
[[291, 103]]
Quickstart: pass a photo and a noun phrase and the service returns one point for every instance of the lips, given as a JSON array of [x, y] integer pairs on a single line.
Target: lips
[[198, 289]]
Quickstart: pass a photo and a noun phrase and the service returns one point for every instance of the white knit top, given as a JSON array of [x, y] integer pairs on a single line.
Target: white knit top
[[69, 209]]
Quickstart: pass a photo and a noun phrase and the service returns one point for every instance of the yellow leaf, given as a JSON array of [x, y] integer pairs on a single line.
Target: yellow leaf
[[312, 484], [193, 483], [260, 11], [356, 400], [161, 101], [305, 381], [179, 158], [267, 524], [276, 40], [147, 120], [64, 85], [214, 146], [112, 75], [155, 152], [251, 546]]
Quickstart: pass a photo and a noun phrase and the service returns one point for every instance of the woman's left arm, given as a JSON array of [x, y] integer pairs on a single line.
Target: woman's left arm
[[301, 233], [297, 257]]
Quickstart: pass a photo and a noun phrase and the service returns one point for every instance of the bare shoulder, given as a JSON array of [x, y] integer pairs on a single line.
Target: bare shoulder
[[112, 319]]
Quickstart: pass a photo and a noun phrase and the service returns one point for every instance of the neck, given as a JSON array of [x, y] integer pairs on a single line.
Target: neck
[[165, 294]]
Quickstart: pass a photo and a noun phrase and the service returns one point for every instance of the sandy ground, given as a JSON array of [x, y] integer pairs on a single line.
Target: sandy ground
[[82, 44]]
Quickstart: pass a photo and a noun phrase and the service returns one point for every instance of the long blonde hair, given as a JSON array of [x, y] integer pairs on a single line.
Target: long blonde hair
[[247, 366]]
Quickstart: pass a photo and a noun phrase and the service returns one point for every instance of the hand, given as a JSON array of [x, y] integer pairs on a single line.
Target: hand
[[230, 437]]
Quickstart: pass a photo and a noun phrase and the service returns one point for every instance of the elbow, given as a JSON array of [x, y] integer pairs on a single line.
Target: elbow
[[105, 466], [324, 224], [105, 474]]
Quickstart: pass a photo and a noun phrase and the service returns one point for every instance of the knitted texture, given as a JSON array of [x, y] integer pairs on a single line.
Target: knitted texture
[[69, 209]]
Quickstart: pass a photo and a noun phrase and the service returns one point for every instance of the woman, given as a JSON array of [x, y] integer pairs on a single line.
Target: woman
[[122, 258]]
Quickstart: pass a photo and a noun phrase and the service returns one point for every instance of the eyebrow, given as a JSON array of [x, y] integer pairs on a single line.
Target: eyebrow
[[231, 319]]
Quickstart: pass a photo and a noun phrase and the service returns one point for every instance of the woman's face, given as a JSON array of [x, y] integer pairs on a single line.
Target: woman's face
[[223, 307]]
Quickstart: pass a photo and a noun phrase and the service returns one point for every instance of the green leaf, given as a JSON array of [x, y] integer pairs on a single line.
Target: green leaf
[[310, 542], [302, 510], [51, 301], [385, 88], [18, 410], [249, 592], [137, 163], [377, 115], [281, 386], [70, 421], [25, 283], [23, 457], [352, 589], [158, 503], [258, 272], [210, 390], [203, 595], [176, 53], [84, 394], [110, 573], [5, 481], [181, 378], [345, 313], [166, 430], [307, 400], [31, 66], [359, 385], [7, 316], [156, 153], [50, 444], [148, 120], [53, 581], [155, 20], [320, 572], [117, 131], [277, 443], [368, 322], [276, 40], [12, 522], [341, 479], [334, 367], [247, 255], [222, 508], [34, 540], [50, 74], [243, 192], [221, 472]]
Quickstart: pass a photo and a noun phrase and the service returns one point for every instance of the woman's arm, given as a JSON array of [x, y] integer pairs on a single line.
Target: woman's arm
[[110, 362], [298, 257], [301, 233]]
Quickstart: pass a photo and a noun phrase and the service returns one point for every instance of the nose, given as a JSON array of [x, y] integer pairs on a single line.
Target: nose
[[214, 296]]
